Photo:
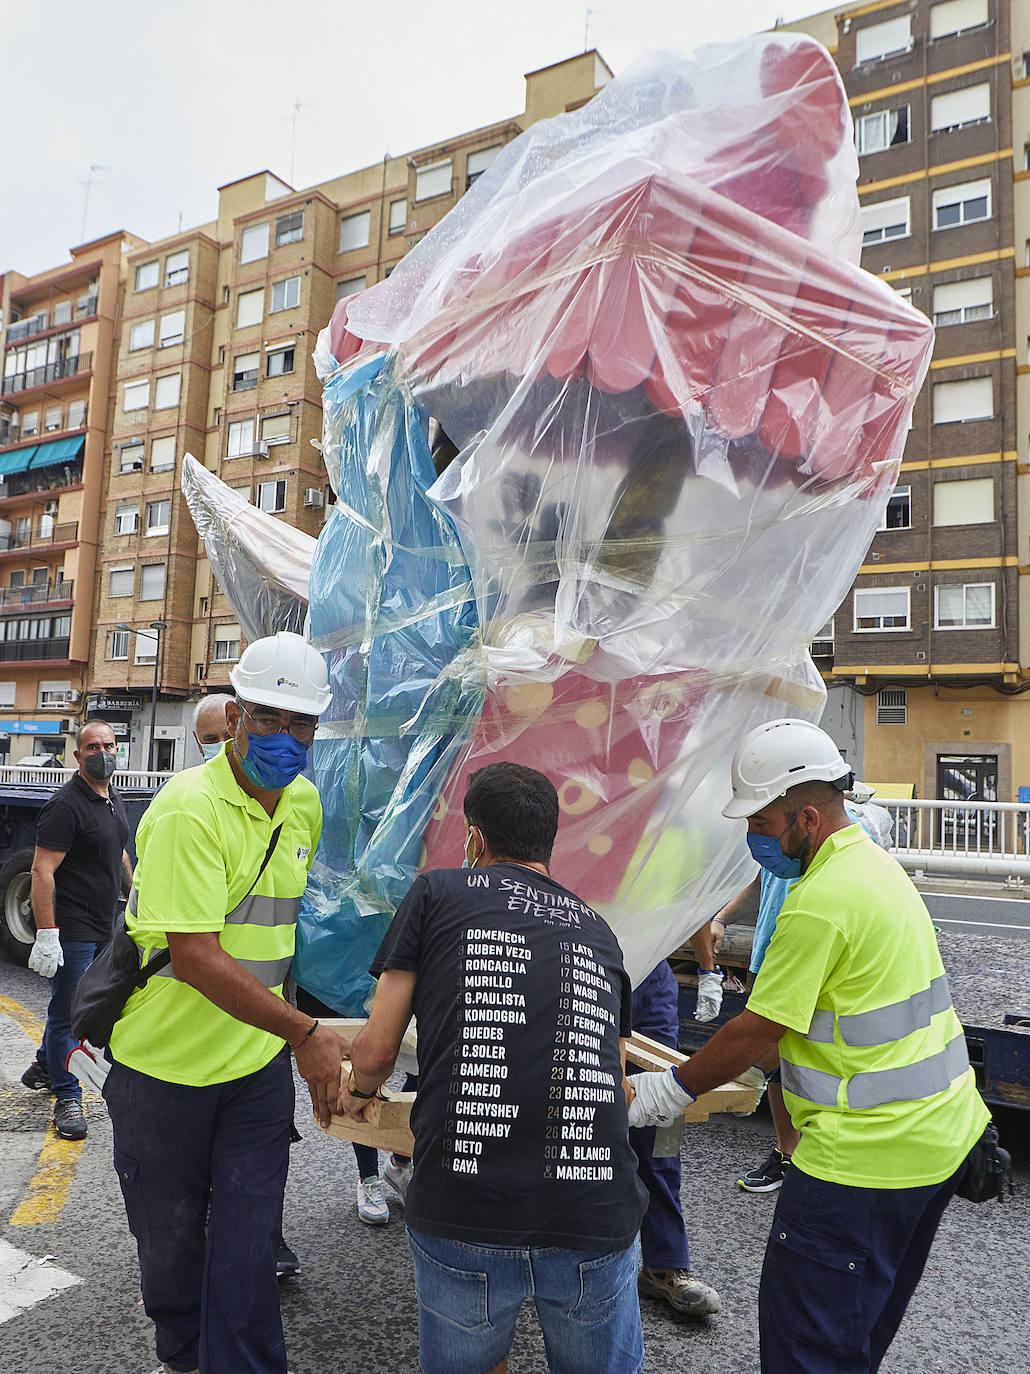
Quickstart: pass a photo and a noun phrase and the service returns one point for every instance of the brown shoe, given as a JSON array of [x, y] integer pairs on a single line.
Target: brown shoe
[[683, 1293]]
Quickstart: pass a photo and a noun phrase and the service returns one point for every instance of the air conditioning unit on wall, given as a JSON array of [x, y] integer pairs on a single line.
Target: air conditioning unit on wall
[[314, 497]]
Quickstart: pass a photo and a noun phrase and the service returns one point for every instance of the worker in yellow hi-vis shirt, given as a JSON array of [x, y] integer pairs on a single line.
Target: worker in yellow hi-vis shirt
[[200, 1091], [873, 1063]]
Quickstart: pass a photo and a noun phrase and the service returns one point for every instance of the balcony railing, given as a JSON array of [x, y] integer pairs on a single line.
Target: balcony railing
[[42, 534], [39, 323], [24, 650], [42, 480], [35, 593], [50, 372]]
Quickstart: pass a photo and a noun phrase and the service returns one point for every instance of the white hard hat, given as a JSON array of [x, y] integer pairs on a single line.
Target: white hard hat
[[778, 755], [284, 672]]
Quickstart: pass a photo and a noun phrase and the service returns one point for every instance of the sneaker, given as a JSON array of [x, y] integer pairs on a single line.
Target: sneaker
[[683, 1293], [372, 1208], [398, 1176], [768, 1176], [37, 1078], [69, 1119], [287, 1265]]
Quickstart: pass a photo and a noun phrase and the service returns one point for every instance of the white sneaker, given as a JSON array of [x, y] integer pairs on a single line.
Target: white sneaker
[[372, 1208], [398, 1176]]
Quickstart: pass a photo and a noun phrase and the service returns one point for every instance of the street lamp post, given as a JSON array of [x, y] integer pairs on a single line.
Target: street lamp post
[[157, 626]]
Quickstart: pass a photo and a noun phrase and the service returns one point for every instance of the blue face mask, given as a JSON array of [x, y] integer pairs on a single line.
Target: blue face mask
[[768, 851], [210, 750], [273, 761]]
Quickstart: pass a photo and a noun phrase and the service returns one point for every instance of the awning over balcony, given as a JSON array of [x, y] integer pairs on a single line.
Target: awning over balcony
[[57, 451], [17, 461]]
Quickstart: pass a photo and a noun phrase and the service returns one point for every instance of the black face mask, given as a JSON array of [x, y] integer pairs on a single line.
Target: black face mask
[[100, 766]]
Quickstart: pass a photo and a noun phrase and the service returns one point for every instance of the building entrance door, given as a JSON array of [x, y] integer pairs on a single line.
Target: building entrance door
[[965, 778]]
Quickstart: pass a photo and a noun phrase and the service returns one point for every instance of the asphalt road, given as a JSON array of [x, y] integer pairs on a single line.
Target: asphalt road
[[1006, 916], [352, 1310]]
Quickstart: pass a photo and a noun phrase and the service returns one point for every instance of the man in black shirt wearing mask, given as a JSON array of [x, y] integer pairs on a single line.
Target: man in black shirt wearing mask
[[77, 873], [524, 1182]]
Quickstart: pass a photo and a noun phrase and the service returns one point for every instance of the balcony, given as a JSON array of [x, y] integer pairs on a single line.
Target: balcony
[[28, 650], [36, 594], [51, 372], [41, 321], [42, 534], [40, 481]]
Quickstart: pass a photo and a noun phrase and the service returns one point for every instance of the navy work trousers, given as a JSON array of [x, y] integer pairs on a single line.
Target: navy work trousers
[[840, 1268], [663, 1239], [178, 1150]]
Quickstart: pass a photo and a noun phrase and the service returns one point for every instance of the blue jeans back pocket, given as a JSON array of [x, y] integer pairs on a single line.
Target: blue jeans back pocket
[[601, 1283], [458, 1296]]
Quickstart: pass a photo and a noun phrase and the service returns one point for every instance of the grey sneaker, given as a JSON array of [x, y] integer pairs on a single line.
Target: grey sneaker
[[372, 1208], [398, 1176], [69, 1119], [36, 1077], [682, 1292]]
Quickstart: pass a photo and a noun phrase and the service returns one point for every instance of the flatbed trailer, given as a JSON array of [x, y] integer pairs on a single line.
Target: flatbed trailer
[[990, 987]]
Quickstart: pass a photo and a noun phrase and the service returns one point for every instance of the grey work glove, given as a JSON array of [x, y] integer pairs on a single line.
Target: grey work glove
[[46, 956], [659, 1099], [88, 1065], [709, 996]]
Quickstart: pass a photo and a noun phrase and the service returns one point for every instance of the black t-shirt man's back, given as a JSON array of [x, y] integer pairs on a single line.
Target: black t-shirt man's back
[[520, 1121], [91, 832]]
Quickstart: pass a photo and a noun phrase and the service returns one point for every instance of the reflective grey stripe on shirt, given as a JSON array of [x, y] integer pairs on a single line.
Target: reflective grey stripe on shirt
[[256, 910], [812, 1084], [909, 1083], [883, 1025], [270, 973], [821, 1029]]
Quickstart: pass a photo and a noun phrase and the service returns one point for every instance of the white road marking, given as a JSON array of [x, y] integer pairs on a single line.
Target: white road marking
[[995, 925], [26, 1280]]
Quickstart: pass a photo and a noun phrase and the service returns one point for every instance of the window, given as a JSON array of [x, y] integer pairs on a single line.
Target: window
[[76, 414], [275, 429], [126, 520], [117, 644], [245, 371], [892, 706], [883, 129], [972, 399], [278, 362], [147, 275], [883, 40], [7, 690], [130, 458], [354, 231], [166, 391], [289, 228], [254, 243], [352, 285], [152, 582], [52, 418], [54, 694], [227, 643], [285, 295], [398, 216], [882, 608], [898, 515], [271, 496], [250, 308], [177, 268], [954, 16], [141, 335], [822, 645], [478, 162], [433, 180], [173, 328], [962, 302], [29, 423], [965, 502], [888, 219], [241, 438], [146, 646], [121, 581], [967, 607], [961, 204], [137, 396], [158, 515], [162, 453], [954, 109]]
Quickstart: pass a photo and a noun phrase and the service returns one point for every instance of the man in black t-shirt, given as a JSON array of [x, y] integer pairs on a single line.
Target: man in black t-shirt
[[524, 1182], [77, 871]]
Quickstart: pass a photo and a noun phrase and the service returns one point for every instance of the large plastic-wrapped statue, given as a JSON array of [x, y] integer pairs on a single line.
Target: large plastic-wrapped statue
[[667, 410]]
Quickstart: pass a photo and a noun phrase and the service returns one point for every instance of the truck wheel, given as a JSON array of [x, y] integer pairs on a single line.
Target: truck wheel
[[17, 928]]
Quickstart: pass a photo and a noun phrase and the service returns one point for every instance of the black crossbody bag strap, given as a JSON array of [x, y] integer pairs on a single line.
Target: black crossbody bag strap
[[157, 961]]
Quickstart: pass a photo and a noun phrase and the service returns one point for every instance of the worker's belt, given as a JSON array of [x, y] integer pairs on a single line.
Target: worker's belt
[[883, 1025], [907, 1083]]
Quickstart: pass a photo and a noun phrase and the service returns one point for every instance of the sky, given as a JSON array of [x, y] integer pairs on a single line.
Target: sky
[[166, 102]]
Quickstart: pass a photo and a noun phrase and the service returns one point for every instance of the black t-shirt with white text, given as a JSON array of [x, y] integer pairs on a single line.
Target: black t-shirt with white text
[[520, 1121]]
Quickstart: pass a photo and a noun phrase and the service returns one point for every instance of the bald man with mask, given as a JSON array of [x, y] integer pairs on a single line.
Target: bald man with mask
[[209, 727]]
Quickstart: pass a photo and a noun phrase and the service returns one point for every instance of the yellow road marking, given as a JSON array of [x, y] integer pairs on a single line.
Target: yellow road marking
[[50, 1184], [28, 1020]]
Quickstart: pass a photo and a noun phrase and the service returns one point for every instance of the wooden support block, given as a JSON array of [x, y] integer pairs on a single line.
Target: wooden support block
[[387, 1126], [650, 1054]]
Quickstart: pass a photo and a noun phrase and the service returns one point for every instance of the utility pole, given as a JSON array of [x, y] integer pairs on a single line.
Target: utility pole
[[297, 107], [88, 183]]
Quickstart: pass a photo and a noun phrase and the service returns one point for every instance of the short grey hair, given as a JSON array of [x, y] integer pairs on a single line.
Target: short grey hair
[[216, 698]]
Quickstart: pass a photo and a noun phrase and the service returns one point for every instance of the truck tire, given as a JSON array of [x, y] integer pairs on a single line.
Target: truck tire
[[17, 928]]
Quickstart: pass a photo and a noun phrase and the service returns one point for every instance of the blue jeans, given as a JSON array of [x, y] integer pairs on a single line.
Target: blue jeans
[[58, 1041], [469, 1297], [214, 1299]]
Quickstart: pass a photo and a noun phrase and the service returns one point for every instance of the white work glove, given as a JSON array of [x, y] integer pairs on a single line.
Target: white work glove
[[709, 996], [46, 956], [659, 1099], [754, 1077], [88, 1065]]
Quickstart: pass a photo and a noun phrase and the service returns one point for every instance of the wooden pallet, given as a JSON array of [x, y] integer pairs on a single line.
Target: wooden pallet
[[650, 1054]]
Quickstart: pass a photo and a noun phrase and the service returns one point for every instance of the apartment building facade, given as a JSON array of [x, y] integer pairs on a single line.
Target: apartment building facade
[[928, 651]]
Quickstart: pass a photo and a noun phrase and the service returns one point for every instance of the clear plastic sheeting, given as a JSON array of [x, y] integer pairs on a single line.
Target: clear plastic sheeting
[[668, 411], [261, 564]]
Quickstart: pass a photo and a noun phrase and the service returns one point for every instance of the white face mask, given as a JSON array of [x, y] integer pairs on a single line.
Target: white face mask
[[210, 750]]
